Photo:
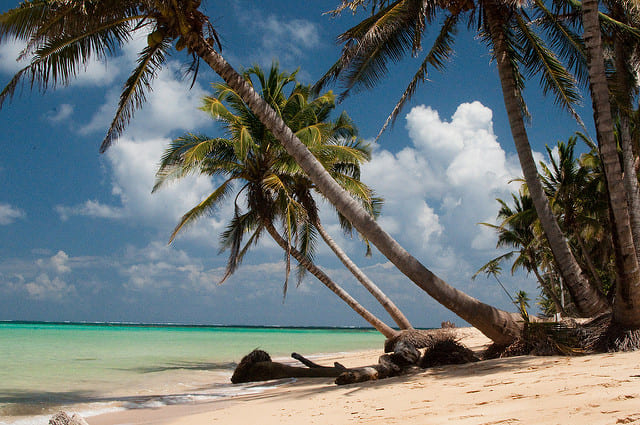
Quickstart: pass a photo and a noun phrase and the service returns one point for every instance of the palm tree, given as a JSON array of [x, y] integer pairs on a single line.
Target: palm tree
[[519, 231], [64, 35], [397, 28], [627, 297], [252, 158], [567, 185]]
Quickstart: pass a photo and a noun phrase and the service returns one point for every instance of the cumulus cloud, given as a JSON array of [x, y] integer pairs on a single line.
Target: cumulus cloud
[[45, 288], [440, 187], [9, 214]]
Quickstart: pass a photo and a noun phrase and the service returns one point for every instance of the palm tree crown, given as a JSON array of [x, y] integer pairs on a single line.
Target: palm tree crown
[[269, 186]]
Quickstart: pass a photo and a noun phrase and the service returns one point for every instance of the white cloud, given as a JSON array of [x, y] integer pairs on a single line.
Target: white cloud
[[90, 208], [298, 33], [9, 214], [9, 52], [43, 288], [171, 105], [438, 189], [61, 113], [57, 263], [279, 38]]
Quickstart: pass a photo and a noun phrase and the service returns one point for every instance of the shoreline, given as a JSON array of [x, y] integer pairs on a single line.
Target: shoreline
[[593, 389]]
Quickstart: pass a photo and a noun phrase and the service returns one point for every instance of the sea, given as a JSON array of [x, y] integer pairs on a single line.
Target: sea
[[95, 368]]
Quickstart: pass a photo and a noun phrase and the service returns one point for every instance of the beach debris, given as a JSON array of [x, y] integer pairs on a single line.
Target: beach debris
[[62, 418], [403, 359], [402, 355], [445, 352], [258, 366], [419, 338]]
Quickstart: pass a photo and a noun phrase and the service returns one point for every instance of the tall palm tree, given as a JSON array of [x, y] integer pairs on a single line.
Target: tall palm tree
[[63, 35], [251, 157], [397, 27], [627, 297]]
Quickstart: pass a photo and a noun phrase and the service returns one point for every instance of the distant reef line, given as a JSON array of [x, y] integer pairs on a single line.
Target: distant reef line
[[180, 325]]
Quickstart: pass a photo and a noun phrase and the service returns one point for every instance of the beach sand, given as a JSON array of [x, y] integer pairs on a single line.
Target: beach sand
[[594, 389]]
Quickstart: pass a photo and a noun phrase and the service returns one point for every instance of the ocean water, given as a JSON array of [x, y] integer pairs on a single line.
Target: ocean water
[[95, 368]]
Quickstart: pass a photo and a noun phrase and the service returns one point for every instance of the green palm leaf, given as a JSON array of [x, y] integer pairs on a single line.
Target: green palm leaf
[[133, 95], [207, 206]]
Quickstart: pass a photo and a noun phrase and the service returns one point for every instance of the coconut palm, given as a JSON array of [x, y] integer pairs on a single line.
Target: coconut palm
[[519, 231], [568, 185], [397, 28], [251, 157], [626, 311], [64, 35]]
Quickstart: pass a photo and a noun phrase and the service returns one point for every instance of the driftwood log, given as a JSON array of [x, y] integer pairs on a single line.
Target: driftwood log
[[402, 355], [258, 366]]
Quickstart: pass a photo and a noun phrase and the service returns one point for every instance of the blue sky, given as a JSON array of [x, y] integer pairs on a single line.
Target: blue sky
[[84, 239]]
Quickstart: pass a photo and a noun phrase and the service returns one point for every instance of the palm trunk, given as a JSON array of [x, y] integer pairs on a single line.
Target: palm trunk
[[589, 262], [626, 306], [500, 326], [554, 298], [625, 87], [382, 298], [380, 326], [588, 301]]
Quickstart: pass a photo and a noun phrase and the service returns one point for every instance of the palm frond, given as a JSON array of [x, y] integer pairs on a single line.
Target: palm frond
[[133, 95], [554, 76], [370, 45], [207, 206], [59, 58], [233, 236], [440, 52], [565, 41]]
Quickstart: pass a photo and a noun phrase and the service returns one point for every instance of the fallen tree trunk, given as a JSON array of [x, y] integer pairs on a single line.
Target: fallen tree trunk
[[441, 348], [258, 366], [404, 358]]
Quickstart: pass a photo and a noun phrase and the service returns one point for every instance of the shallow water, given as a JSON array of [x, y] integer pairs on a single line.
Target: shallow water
[[99, 367]]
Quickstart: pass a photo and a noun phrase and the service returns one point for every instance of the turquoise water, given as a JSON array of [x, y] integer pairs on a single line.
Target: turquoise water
[[93, 368]]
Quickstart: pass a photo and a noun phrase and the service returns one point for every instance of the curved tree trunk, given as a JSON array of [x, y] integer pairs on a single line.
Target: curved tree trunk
[[382, 327], [500, 326], [588, 301], [382, 298], [626, 306]]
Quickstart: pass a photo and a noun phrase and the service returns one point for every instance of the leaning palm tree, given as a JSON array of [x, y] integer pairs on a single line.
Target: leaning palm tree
[[396, 28], [265, 174], [64, 35]]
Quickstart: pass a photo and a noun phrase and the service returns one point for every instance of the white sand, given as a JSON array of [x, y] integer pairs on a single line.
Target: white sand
[[586, 390]]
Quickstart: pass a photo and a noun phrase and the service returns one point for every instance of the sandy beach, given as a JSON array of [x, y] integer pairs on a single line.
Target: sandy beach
[[594, 389]]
